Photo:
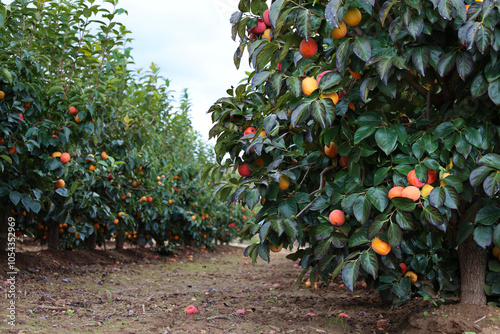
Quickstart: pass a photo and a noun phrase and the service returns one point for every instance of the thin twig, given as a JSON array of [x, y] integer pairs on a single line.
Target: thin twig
[[307, 207], [305, 165]]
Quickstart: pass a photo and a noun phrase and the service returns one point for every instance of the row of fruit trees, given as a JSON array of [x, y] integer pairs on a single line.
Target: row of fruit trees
[[369, 132], [91, 150]]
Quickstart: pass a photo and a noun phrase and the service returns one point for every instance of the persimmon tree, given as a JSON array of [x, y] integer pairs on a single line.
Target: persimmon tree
[[89, 149], [373, 141]]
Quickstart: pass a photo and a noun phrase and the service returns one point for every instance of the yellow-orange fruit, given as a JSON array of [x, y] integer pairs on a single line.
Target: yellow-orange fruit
[[65, 157], [411, 192], [352, 17], [426, 190], [59, 184], [274, 249], [331, 151], [56, 154], [284, 182], [355, 75], [309, 85], [334, 96], [395, 192], [337, 218], [380, 247], [412, 275], [104, 155], [339, 32], [267, 34]]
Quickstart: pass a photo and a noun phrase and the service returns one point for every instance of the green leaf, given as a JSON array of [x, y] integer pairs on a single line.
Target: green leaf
[[362, 48], [331, 11], [303, 23], [444, 129], [384, 66], [350, 274], [363, 132], [342, 55], [55, 89], [278, 226], [483, 236], [339, 240], [386, 139], [451, 197], [329, 80], [274, 11], [465, 64], [420, 58], [369, 262], [491, 160], [494, 91], [6, 73], [380, 175], [488, 215], [64, 192], [288, 207], [322, 249], [263, 252], [445, 9], [433, 216], [359, 237], [473, 136], [478, 175], [437, 197], [301, 112], [361, 209], [491, 185], [404, 220], [379, 197], [320, 114], [464, 231], [264, 231], [402, 288], [6, 158], [323, 231], [479, 85], [291, 229], [386, 7], [404, 204], [15, 197], [446, 63], [260, 78], [395, 235], [376, 226], [293, 84], [496, 235]]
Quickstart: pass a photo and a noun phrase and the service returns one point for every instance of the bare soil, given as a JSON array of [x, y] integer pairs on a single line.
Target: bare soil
[[137, 291]]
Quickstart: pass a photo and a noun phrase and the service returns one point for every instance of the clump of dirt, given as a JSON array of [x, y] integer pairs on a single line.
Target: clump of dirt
[[137, 291]]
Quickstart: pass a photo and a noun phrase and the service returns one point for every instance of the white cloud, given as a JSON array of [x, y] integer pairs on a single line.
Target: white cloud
[[191, 42]]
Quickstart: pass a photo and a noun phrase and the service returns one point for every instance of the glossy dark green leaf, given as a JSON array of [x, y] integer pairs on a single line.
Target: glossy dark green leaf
[[465, 64], [303, 23], [323, 231], [488, 215], [479, 85], [491, 160], [437, 197], [446, 63], [452, 198], [483, 235], [464, 231], [362, 48], [369, 262], [350, 274], [404, 220], [362, 209], [386, 138], [478, 175], [395, 235], [404, 204], [359, 237], [433, 216], [378, 196], [322, 249], [491, 184]]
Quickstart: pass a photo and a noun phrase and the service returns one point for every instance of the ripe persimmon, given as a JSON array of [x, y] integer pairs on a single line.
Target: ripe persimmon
[[59, 184], [308, 49], [274, 248], [411, 192], [412, 275], [352, 17], [337, 218], [331, 150], [339, 32], [395, 192], [380, 247], [309, 85], [284, 182]]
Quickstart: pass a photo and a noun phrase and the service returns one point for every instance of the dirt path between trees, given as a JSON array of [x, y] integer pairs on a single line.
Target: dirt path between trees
[[133, 291]]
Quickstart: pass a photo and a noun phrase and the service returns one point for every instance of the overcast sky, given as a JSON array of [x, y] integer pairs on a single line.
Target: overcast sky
[[191, 42]]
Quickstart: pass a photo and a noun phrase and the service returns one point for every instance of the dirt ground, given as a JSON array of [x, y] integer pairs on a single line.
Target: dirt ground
[[137, 291]]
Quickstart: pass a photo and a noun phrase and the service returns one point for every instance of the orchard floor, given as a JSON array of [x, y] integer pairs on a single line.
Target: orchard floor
[[135, 291]]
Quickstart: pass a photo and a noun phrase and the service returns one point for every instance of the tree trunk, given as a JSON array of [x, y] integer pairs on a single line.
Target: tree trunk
[[4, 232], [90, 241], [120, 240], [53, 236], [473, 261]]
